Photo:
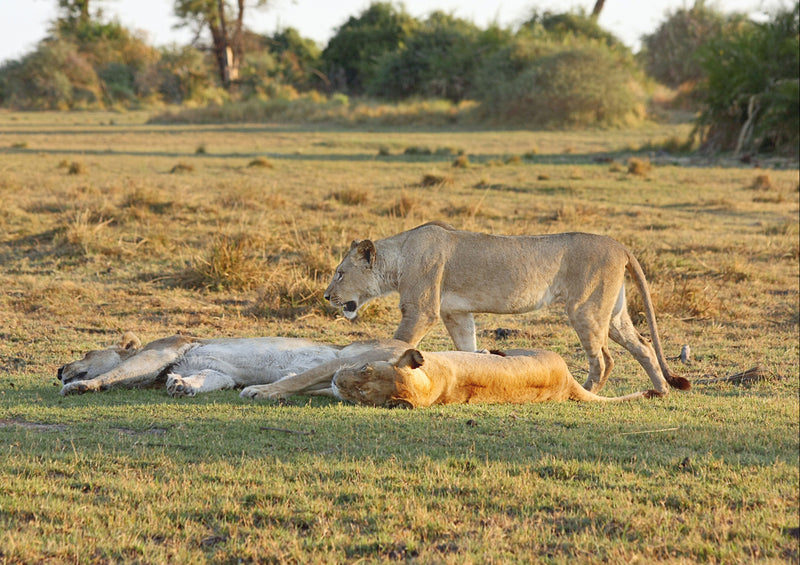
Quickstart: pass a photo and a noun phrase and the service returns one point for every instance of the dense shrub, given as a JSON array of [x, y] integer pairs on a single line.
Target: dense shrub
[[540, 83], [669, 54], [53, 77], [351, 56], [438, 60], [567, 25], [753, 87]]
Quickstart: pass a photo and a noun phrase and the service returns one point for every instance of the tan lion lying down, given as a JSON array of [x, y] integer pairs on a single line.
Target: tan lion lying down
[[419, 379]]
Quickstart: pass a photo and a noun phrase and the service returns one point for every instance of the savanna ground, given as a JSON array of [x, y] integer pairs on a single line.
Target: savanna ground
[[108, 224]]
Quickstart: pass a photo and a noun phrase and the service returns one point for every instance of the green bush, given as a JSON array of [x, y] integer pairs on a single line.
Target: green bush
[[569, 25], [669, 54], [541, 83], [753, 86], [53, 77], [438, 60], [352, 55]]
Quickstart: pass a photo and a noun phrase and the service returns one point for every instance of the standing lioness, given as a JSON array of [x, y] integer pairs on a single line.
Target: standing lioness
[[442, 272]]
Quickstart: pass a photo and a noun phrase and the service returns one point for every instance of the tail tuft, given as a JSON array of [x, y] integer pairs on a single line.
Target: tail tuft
[[681, 383], [497, 352]]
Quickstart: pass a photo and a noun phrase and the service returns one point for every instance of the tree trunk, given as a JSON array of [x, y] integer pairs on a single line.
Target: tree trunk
[[227, 45], [598, 7]]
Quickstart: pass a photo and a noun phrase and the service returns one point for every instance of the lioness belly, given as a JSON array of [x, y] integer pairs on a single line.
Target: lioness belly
[[525, 300]]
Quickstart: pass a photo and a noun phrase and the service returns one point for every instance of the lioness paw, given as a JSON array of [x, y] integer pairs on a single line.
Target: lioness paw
[[262, 392], [76, 387], [177, 386]]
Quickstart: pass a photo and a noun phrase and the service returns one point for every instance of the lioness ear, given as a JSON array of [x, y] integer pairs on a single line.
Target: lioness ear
[[411, 358], [130, 341], [366, 251]]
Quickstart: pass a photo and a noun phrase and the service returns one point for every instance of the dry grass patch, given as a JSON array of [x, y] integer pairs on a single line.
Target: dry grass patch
[[405, 206], [352, 196], [229, 263], [762, 182], [261, 163], [77, 168], [182, 168], [83, 234], [461, 162], [430, 180], [640, 167]]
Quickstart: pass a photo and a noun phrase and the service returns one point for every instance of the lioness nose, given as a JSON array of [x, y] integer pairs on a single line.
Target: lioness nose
[[326, 296]]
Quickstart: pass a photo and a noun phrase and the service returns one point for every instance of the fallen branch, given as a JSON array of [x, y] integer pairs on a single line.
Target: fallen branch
[[748, 377], [284, 430]]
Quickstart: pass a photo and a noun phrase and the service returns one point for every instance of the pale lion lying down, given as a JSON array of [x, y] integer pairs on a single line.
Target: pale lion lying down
[[419, 379], [189, 365]]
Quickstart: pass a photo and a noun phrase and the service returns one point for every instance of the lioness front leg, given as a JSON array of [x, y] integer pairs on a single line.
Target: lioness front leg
[[80, 387], [204, 381], [415, 323], [461, 327]]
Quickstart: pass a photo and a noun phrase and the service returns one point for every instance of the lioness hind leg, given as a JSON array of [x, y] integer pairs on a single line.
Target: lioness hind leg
[[461, 327], [622, 330]]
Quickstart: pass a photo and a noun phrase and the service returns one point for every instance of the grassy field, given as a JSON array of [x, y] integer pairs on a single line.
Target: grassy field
[[109, 223]]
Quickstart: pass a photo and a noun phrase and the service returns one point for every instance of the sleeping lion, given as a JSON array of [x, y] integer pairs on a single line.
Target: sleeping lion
[[419, 379]]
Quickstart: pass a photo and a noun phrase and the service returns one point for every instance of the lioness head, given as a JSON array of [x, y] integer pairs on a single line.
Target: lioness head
[[383, 383], [356, 280], [95, 363]]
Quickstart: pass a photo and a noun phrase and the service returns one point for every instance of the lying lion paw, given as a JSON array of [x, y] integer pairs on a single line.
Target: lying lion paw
[[177, 386], [76, 387], [262, 392]]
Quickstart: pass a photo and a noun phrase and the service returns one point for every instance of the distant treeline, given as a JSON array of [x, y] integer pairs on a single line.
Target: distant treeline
[[555, 70]]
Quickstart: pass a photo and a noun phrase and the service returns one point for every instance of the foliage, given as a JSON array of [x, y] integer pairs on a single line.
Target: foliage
[[352, 55], [439, 59], [669, 54], [226, 27], [753, 87], [53, 77], [565, 25], [543, 83]]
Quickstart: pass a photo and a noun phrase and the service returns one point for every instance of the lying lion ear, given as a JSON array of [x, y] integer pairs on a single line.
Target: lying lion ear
[[353, 244], [412, 358], [366, 251], [130, 341]]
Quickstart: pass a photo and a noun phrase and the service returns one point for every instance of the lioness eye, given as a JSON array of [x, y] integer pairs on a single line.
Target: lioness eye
[[339, 276]]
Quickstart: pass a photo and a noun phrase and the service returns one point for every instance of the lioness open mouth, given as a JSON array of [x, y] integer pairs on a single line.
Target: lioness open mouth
[[349, 309]]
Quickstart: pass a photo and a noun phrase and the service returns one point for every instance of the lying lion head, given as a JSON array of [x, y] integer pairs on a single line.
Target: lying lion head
[[355, 282], [96, 363], [382, 383]]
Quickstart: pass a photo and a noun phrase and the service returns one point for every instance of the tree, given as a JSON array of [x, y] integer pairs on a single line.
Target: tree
[[439, 59], [226, 27], [354, 52]]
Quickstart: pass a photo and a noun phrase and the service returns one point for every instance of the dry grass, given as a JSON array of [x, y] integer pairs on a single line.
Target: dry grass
[[638, 166], [432, 179], [352, 196], [182, 168], [711, 474], [77, 168], [260, 162]]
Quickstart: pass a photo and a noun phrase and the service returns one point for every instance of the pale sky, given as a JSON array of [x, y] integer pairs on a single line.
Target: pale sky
[[24, 22]]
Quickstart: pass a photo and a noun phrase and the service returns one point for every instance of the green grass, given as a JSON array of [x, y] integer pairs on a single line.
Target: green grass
[[234, 250]]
